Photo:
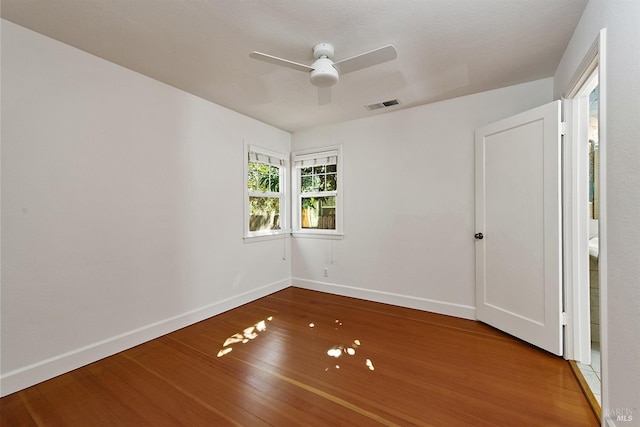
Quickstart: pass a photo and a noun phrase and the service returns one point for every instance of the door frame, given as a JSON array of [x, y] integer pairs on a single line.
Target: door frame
[[575, 235], [576, 222]]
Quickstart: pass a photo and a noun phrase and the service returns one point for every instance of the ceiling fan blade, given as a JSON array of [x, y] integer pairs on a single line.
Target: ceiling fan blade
[[324, 95], [279, 61], [368, 59]]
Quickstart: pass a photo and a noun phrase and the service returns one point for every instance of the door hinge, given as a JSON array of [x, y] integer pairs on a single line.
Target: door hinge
[[563, 318], [563, 128]]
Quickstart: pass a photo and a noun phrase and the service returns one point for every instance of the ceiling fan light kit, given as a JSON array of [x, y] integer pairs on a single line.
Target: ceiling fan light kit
[[324, 73]]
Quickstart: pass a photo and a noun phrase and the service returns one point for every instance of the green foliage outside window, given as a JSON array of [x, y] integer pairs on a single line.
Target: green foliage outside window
[[319, 178], [263, 177]]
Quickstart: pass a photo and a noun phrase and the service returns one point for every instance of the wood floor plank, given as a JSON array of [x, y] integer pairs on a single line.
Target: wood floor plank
[[300, 357], [189, 411], [13, 412], [41, 410], [74, 404]]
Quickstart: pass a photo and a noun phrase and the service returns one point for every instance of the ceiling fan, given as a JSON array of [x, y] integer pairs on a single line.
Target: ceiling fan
[[324, 73]]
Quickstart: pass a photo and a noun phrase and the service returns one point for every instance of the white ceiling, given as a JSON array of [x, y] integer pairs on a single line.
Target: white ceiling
[[446, 48]]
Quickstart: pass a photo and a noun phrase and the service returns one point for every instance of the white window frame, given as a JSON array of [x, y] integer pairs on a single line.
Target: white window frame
[[276, 159], [316, 155]]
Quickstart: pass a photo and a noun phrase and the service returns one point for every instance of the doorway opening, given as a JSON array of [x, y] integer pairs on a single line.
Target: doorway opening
[[590, 367]]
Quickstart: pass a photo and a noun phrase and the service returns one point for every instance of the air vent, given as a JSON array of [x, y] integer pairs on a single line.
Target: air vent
[[384, 104]]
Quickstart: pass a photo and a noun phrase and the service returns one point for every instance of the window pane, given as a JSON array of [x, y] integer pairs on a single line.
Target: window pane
[[264, 213], [318, 213], [318, 169], [331, 182], [258, 170], [321, 183], [332, 168], [274, 179], [306, 171], [252, 180], [306, 184], [263, 178]]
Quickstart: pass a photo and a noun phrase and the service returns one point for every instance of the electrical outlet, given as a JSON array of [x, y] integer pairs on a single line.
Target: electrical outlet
[[326, 272]]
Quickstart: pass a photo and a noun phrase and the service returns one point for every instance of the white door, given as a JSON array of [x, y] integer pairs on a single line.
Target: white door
[[518, 244]]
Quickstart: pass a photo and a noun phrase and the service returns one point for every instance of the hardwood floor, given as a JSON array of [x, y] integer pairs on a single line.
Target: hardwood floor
[[300, 357]]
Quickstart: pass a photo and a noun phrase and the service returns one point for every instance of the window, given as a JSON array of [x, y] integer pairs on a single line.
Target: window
[[265, 201], [318, 202]]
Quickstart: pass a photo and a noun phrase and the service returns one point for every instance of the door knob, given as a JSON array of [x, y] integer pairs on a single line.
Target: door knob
[[478, 236]]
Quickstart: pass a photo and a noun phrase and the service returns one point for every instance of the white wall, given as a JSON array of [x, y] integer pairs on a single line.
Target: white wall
[[122, 209], [409, 202], [621, 140]]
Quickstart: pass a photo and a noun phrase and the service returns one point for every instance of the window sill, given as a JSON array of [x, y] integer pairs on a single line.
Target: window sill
[[318, 235], [269, 236]]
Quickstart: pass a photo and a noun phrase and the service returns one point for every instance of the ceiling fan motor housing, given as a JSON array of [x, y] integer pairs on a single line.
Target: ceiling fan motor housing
[[324, 74], [323, 49]]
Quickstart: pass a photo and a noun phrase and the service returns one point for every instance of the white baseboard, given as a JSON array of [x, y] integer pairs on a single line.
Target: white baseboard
[[434, 306], [41, 371]]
